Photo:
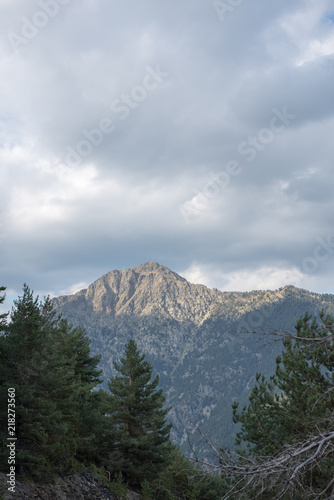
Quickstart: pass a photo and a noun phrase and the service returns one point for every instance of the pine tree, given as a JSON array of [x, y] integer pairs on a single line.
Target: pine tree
[[2, 316], [182, 479], [296, 398], [3, 390], [296, 404], [49, 365], [44, 387], [137, 418], [90, 405]]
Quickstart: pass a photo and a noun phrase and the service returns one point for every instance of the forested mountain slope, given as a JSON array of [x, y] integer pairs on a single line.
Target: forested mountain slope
[[195, 337]]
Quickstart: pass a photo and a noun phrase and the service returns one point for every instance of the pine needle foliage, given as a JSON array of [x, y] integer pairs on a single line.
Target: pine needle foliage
[[288, 425], [137, 418], [49, 364]]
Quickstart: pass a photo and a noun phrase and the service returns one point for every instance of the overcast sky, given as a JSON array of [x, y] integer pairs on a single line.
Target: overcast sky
[[194, 133]]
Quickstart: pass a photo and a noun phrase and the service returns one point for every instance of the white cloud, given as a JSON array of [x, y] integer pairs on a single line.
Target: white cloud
[[263, 278], [317, 49], [76, 287], [310, 37]]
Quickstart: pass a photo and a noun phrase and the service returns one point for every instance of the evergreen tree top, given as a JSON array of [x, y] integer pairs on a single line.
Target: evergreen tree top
[[2, 316], [133, 364], [138, 417]]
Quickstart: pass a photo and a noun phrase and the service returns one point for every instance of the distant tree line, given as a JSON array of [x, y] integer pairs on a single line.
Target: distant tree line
[[64, 422]]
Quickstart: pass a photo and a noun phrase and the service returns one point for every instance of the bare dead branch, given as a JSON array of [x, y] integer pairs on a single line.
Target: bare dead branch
[[283, 474]]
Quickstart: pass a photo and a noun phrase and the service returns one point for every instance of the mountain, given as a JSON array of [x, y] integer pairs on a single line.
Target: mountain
[[195, 337]]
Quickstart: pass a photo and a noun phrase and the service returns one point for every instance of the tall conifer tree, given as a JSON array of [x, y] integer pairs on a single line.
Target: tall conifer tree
[[49, 365], [138, 418], [3, 389], [297, 403]]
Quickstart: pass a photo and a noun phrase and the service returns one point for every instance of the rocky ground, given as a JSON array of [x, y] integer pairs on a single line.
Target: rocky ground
[[83, 486]]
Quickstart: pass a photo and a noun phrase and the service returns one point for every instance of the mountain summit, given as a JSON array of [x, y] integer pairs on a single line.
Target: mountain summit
[[153, 289], [195, 337], [145, 290]]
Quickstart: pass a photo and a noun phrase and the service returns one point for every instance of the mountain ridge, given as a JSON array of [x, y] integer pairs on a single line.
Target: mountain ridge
[[118, 292], [195, 337], [121, 292]]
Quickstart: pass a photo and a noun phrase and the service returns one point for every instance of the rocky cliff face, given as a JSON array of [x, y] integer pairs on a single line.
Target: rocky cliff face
[[143, 291], [152, 289], [195, 337]]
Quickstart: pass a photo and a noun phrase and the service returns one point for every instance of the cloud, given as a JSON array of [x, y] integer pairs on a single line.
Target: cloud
[[263, 278], [146, 147], [76, 287]]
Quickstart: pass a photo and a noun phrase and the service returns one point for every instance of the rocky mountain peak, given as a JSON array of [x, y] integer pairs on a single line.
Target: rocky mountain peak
[[154, 267], [150, 288]]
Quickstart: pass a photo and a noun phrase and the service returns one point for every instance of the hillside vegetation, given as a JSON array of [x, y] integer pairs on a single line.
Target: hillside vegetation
[[195, 337], [122, 386]]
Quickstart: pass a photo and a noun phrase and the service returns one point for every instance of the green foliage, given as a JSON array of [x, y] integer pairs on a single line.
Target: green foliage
[[181, 479], [147, 491], [297, 402], [49, 365], [2, 316], [177, 477], [187, 347], [63, 422], [119, 486], [96, 441], [137, 418], [211, 487], [296, 398]]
